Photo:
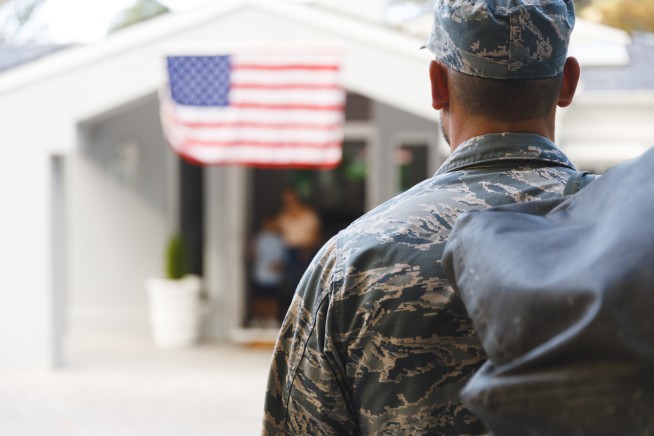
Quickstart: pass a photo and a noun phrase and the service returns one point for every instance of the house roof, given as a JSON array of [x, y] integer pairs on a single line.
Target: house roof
[[12, 56], [96, 79], [610, 58], [634, 75]]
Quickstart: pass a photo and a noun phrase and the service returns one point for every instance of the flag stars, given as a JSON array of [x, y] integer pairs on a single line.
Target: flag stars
[[199, 80]]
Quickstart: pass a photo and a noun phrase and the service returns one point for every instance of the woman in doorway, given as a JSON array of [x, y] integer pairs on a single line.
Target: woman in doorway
[[299, 225]]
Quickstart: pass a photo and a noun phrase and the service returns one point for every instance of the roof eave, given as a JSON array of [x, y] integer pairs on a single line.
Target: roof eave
[[150, 32]]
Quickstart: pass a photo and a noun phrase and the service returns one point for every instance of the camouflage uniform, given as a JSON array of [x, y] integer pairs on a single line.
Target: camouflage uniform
[[376, 341]]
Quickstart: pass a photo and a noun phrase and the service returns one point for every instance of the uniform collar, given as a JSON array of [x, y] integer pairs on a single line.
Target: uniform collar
[[497, 147]]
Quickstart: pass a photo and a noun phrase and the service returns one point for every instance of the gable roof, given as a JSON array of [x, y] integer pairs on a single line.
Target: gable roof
[[98, 78]]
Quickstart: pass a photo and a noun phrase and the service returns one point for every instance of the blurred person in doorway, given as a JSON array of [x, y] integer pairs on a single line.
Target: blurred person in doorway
[[375, 340], [300, 229], [268, 258]]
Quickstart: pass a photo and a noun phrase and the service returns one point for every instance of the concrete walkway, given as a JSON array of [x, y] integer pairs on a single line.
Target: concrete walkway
[[119, 387]]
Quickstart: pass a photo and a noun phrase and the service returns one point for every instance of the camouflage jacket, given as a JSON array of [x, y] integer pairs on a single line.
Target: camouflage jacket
[[376, 341]]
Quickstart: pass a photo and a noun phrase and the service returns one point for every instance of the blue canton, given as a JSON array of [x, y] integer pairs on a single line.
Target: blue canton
[[200, 80]]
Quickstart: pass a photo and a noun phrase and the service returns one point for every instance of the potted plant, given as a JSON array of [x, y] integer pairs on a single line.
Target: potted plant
[[175, 300]]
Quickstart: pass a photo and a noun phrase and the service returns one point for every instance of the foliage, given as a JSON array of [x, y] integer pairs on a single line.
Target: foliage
[[14, 16], [177, 264], [629, 15], [142, 10], [580, 4]]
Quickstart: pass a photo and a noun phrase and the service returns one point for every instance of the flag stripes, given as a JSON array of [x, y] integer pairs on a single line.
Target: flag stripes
[[279, 109]]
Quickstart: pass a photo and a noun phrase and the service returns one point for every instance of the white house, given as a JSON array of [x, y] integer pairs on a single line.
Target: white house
[[91, 191]]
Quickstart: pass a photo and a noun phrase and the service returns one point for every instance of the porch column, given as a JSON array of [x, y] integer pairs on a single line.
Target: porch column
[[26, 274], [225, 207]]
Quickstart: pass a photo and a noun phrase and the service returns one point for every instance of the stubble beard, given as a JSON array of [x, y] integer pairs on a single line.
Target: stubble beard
[[445, 135]]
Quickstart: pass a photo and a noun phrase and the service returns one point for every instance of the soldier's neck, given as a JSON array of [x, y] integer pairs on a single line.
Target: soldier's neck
[[462, 129]]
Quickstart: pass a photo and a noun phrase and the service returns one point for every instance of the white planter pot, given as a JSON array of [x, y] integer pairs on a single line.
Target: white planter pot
[[174, 311]]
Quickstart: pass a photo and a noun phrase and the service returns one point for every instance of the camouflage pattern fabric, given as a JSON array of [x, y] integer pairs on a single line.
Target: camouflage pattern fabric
[[376, 341], [502, 39]]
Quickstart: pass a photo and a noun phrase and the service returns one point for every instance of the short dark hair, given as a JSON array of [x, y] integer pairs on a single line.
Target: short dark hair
[[506, 100]]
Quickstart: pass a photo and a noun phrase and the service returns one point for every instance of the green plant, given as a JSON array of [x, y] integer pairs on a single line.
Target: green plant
[[177, 265]]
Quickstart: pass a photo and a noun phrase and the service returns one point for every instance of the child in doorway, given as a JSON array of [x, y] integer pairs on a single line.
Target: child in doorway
[[268, 269]]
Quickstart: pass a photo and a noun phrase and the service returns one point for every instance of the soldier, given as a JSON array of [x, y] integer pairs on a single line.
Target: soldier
[[375, 340]]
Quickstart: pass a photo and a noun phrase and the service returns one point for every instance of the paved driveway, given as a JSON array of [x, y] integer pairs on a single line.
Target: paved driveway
[[129, 388]]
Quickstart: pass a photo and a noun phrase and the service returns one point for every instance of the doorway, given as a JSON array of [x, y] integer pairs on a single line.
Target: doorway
[[338, 197]]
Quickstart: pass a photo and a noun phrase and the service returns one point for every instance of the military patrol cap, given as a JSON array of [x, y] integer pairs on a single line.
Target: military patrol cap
[[502, 39]]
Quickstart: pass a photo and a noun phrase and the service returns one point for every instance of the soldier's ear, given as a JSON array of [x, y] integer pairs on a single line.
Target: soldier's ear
[[571, 73], [440, 95]]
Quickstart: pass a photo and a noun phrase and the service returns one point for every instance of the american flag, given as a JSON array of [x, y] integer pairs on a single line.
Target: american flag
[[279, 109]]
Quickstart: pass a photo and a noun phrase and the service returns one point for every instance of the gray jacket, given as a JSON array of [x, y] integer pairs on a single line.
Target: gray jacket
[[561, 294]]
